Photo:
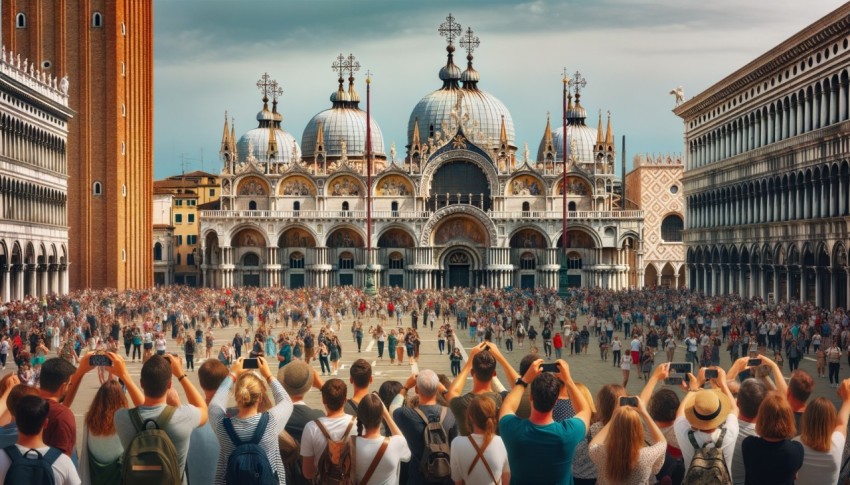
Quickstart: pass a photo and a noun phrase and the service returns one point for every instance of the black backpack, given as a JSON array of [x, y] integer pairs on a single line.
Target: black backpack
[[435, 463], [31, 471], [249, 464]]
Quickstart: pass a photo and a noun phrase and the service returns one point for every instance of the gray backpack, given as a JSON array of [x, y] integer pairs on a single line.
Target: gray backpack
[[435, 463]]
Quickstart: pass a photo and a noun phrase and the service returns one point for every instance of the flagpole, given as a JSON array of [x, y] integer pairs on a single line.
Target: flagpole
[[564, 175]]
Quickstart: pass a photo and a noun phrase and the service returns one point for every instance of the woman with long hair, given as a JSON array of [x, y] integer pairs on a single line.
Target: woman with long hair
[[607, 400], [376, 457], [102, 449], [771, 456], [823, 433], [624, 458], [481, 457], [249, 390]]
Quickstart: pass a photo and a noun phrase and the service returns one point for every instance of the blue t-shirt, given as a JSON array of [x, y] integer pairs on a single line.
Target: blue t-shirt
[[286, 353], [529, 445]]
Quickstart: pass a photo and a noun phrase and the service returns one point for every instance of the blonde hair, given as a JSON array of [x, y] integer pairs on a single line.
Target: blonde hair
[[249, 390], [588, 398], [625, 439], [817, 424], [482, 414]]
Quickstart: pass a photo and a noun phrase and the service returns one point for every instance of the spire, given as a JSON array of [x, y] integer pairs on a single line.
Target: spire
[[609, 133], [600, 136], [503, 136], [416, 141], [233, 135], [225, 140], [547, 135], [320, 136], [450, 74]]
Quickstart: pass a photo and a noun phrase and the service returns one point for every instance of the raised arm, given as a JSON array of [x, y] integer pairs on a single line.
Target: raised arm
[[456, 389], [193, 397], [580, 405], [75, 381], [844, 411], [119, 370], [512, 400], [661, 373]]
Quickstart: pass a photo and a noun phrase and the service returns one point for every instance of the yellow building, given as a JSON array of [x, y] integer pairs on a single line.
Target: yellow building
[[188, 192]]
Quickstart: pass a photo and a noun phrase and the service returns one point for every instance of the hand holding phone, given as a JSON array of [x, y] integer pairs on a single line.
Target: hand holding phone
[[629, 401], [100, 360], [250, 364], [710, 374], [754, 362], [550, 367]]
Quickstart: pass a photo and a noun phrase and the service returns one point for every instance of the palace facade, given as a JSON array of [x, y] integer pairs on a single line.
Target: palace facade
[[767, 178]]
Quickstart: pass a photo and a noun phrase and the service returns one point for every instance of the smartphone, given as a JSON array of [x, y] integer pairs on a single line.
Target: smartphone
[[674, 381], [100, 360], [711, 373], [679, 369], [251, 364], [753, 362], [629, 401], [550, 367]]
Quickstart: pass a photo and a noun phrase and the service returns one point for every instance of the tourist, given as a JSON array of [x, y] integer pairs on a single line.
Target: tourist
[[480, 457], [336, 424], [823, 435], [771, 457], [101, 451], [377, 457]]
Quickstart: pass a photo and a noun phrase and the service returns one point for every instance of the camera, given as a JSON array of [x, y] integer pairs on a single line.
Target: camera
[[629, 401], [251, 364], [551, 367], [100, 360]]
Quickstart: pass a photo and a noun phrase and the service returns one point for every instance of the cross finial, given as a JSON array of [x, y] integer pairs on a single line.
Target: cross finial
[[351, 65], [566, 76], [469, 41], [578, 81], [265, 84], [368, 76], [338, 65], [450, 29], [275, 90]]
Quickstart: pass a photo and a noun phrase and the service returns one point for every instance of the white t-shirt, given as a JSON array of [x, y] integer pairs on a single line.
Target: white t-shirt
[[462, 454], [820, 466], [63, 468], [682, 426], [387, 470], [313, 442], [635, 345]]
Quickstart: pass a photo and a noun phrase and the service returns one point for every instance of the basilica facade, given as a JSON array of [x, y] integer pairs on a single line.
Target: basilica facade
[[463, 206]]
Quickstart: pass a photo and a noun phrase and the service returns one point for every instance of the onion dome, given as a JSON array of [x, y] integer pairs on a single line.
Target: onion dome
[[437, 107], [581, 139], [268, 141], [344, 123]]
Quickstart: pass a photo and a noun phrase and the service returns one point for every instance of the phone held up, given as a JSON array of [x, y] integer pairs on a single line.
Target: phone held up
[[100, 360], [250, 364], [550, 367], [679, 373], [629, 401]]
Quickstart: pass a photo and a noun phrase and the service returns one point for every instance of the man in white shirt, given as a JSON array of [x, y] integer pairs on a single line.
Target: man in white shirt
[[708, 414], [338, 425], [31, 417]]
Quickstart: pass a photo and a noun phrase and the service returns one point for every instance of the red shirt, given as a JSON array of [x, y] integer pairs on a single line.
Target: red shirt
[[61, 430]]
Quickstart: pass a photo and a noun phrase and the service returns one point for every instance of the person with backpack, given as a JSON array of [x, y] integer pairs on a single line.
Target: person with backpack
[[480, 457], [250, 454], [706, 429], [376, 458], [30, 461], [101, 449], [429, 429], [155, 436], [324, 443]]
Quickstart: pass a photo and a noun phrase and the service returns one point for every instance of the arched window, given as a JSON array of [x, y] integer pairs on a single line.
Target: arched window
[[394, 208], [21, 21], [252, 205], [97, 188], [671, 228], [571, 207], [97, 20], [346, 261], [527, 261], [345, 206], [574, 261], [157, 252], [250, 259], [296, 206], [296, 261], [526, 207], [396, 261]]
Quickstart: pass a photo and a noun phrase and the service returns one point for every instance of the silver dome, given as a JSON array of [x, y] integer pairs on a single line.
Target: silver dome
[[339, 123], [436, 108], [583, 149], [259, 138]]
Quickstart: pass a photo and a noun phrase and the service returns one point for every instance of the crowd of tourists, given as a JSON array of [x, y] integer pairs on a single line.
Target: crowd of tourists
[[693, 422]]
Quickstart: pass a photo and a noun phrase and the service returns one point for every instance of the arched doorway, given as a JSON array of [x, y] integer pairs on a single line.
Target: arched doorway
[[580, 253], [250, 269], [293, 247], [650, 276], [249, 249], [528, 247], [458, 265], [393, 245]]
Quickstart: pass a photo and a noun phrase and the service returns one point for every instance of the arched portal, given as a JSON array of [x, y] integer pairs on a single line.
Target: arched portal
[[459, 182], [528, 249], [459, 264], [292, 245]]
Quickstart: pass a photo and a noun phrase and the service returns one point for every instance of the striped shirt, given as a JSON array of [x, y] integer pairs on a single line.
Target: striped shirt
[[278, 416]]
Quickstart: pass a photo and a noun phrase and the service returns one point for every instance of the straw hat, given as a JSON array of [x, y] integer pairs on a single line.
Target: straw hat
[[706, 409]]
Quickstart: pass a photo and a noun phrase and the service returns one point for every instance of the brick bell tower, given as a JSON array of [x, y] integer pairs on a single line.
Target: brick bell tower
[[105, 48]]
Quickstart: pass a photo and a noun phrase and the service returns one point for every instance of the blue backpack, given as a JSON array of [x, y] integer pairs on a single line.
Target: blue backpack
[[249, 463], [32, 471]]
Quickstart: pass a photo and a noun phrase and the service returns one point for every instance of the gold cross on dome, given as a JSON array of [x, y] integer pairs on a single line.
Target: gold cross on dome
[[265, 84], [578, 81], [338, 65], [275, 90], [566, 76], [469, 41], [450, 29], [351, 65]]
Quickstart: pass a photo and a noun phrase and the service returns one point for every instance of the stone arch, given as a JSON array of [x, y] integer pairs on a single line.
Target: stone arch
[[248, 235], [345, 236], [528, 237], [628, 234], [573, 178], [296, 186], [525, 184], [396, 236], [253, 185], [345, 185], [475, 259], [483, 163], [398, 185], [296, 236], [579, 230], [454, 210]]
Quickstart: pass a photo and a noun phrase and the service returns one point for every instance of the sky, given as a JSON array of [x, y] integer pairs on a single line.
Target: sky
[[209, 54]]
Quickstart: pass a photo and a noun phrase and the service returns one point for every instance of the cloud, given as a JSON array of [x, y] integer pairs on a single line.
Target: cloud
[[209, 54]]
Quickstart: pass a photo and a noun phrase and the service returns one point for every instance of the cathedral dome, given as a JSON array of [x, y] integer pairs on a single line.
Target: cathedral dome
[[342, 123], [436, 108], [258, 140], [581, 139]]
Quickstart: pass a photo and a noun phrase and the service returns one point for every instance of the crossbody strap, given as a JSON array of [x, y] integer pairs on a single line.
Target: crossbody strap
[[479, 454], [375, 461]]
